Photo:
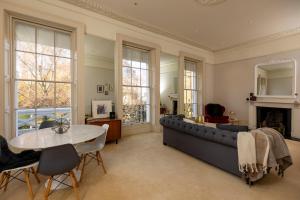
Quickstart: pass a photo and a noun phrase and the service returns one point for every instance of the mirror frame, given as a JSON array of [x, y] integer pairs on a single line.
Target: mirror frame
[[293, 95]]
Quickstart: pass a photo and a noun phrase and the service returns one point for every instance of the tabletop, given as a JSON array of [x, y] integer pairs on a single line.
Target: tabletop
[[44, 138]]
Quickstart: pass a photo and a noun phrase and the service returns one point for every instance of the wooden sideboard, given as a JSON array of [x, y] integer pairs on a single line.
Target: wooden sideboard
[[114, 130]]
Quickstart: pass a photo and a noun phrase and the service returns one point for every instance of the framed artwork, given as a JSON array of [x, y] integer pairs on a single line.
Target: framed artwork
[[101, 109], [100, 88]]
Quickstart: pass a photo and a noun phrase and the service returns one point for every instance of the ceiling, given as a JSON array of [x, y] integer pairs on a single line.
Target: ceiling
[[213, 27]]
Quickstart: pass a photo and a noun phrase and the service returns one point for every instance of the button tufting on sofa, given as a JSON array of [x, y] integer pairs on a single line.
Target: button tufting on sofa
[[208, 133]]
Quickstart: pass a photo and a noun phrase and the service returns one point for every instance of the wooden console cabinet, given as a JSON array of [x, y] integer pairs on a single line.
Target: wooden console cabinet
[[114, 130]]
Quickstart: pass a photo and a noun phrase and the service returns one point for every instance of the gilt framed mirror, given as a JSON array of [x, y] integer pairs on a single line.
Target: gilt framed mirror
[[276, 79]]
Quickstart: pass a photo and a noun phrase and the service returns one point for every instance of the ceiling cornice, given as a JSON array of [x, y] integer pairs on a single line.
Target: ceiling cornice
[[210, 2], [264, 39], [97, 6]]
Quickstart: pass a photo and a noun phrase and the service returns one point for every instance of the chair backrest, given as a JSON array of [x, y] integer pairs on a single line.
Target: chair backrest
[[214, 110], [58, 160], [100, 141], [4, 158], [47, 124]]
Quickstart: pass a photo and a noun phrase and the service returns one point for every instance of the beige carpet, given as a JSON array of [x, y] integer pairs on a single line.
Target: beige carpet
[[141, 168]]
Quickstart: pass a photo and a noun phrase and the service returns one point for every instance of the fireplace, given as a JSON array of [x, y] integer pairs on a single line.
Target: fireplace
[[174, 107], [277, 118]]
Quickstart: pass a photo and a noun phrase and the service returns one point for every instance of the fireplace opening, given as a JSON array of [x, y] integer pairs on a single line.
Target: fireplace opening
[[174, 107], [276, 118]]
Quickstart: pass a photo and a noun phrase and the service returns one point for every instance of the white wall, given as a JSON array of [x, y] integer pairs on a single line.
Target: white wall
[[97, 76], [234, 81]]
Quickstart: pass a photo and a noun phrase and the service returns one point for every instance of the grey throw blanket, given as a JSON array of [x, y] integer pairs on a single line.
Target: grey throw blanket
[[270, 143], [280, 150]]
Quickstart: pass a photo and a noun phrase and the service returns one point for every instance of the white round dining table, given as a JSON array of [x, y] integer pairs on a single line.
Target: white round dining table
[[44, 138]]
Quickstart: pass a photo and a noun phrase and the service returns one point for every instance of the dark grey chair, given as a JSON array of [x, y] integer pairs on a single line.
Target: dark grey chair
[[14, 164], [59, 160], [47, 124]]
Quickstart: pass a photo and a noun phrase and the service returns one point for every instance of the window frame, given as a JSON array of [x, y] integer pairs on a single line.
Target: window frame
[[149, 86], [12, 87]]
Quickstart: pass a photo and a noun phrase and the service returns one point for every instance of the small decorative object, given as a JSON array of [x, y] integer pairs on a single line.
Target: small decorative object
[[62, 126], [100, 88], [101, 109], [106, 92], [252, 97], [231, 115], [110, 88], [112, 115]]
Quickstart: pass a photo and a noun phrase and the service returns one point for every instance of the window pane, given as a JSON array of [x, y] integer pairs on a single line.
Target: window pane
[[136, 59], [145, 78], [145, 96], [45, 68], [64, 113], [25, 121], [126, 57], [62, 45], [45, 94], [145, 61], [136, 95], [25, 94], [45, 41], [45, 114], [136, 64], [127, 96], [63, 95], [147, 110], [25, 37], [187, 82], [136, 76], [25, 66], [126, 76], [194, 97], [63, 69]]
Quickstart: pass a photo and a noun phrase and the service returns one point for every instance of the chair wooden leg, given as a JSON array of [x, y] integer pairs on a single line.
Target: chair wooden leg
[[83, 166], [2, 179], [26, 175], [7, 180], [81, 158], [35, 174], [97, 157], [75, 184], [101, 160], [47, 190]]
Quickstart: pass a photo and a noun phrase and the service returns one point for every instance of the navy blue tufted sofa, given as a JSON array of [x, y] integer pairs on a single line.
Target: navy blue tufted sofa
[[214, 146]]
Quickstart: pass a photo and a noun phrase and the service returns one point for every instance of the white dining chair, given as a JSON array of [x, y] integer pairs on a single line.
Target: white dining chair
[[92, 150]]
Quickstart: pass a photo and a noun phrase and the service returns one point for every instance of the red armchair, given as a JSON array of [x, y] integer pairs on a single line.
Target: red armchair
[[214, 114]]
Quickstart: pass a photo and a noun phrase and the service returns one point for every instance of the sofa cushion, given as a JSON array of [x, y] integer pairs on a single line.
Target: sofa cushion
[[233, 128]]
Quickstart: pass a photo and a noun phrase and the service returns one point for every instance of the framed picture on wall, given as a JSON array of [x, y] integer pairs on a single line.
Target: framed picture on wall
[[100, 88], [101, 109]]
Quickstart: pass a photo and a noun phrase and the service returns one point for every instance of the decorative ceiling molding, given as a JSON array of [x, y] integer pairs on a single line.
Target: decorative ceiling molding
[[97, 6], [264, 39], [210, 2]]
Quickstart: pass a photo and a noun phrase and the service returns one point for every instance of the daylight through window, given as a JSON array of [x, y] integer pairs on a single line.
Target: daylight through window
[[42, 75]]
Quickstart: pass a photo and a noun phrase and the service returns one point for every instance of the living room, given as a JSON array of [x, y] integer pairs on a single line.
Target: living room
[[129, 71]]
